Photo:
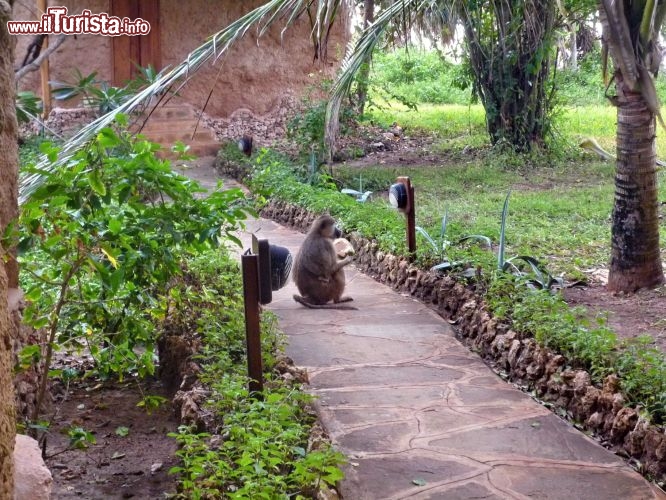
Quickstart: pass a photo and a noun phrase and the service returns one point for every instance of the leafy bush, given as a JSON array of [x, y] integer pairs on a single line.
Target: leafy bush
[[100, 241], [641, 368], [261, 450], [307, 128], [419, 76]]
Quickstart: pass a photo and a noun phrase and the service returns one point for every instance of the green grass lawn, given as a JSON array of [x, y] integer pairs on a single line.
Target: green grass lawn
[[560, 204]]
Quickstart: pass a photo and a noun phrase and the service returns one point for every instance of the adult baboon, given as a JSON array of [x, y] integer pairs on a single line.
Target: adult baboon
[[318, 273]]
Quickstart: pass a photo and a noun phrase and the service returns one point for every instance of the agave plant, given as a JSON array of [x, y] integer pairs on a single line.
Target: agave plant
[[442, 244], [439, 247], [537, 276], [361, 196]]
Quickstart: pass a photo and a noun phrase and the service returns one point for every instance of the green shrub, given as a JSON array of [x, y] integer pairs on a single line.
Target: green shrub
[[263, 450], [641, 367], [100, 241], [307, 128], [419, 76]]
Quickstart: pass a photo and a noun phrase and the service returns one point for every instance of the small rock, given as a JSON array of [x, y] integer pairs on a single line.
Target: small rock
[[31, 477], [156, 467]]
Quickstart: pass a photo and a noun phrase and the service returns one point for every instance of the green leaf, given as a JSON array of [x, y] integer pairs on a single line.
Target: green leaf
[[96, 183], [122, 431], [115, 226], [121, 119], [34, 294], [107, 138], [108, 252], [29, 355]]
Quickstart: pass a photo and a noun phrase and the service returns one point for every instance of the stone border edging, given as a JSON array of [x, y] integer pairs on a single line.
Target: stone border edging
[[525, 363]]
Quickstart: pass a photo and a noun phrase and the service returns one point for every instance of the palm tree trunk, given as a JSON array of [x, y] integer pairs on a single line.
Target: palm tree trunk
[[635, 260], [8, 275]]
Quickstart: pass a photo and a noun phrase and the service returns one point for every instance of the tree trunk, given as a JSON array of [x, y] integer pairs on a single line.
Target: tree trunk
[[364, 72], [573, 57], [635, 260], [511, 62], [8, 270]]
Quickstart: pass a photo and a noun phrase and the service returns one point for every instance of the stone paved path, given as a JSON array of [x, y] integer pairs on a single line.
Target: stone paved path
[[421, 417], [418, 414]]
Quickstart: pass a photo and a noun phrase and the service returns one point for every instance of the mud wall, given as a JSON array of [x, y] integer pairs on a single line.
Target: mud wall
[[258, 72], [257, 75], [518, 358], [87, 53]]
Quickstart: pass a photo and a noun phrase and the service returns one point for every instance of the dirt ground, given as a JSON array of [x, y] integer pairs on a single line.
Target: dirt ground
[[135, 466], [641, 313]]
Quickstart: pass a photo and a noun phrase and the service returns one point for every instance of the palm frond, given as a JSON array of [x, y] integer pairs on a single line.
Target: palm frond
[[357, 54], [645, 18], [647, 23], [262, 18], [619, 40]]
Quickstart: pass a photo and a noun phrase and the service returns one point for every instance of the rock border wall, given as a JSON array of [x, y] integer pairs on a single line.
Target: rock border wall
[[517, 357], [265, 129]]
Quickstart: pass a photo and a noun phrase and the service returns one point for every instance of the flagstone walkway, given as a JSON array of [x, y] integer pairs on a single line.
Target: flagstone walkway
[[418, 415]]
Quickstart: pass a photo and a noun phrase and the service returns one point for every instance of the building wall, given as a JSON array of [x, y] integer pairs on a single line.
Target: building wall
[[87, 53], [256, 74]]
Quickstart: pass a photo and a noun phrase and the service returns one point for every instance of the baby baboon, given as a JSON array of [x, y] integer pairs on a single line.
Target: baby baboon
[[317, 271]]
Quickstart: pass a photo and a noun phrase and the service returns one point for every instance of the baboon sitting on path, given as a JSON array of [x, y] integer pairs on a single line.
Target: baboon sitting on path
[[318, 273]]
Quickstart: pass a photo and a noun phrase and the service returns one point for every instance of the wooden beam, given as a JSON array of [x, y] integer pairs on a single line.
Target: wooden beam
[[44, 70]]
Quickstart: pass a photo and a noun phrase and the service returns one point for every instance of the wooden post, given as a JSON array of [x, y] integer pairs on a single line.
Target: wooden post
[[410, 214], [411, 224], [250, 267], [44, 69]]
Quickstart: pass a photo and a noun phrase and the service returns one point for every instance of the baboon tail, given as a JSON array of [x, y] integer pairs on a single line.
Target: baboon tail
[[309, 305]]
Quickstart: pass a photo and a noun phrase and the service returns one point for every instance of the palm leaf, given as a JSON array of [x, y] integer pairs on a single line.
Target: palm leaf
[[619, 40], [358, 54], [262, 18], [502, 240], [645, 18], [647, 23], [649, 93]]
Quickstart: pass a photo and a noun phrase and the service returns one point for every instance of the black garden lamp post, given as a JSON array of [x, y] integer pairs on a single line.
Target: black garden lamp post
[[401, 196], [265, 269]]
